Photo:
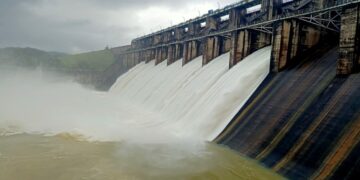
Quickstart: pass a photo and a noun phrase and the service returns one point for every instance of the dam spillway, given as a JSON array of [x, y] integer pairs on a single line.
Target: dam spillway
[[278, 83], [308, 119], [137, 123], [302, 122], [189, 101], [194, 101], [303, 119]]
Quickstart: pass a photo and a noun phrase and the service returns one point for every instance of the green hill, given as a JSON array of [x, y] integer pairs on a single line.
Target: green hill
[[29, 57], [32, 58], [92, 61]]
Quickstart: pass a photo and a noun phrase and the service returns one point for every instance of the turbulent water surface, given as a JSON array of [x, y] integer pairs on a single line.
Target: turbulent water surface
[[153, 124], [62, 157]]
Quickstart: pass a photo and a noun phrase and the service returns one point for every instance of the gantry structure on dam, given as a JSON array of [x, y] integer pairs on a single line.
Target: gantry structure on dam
[[291, 26]]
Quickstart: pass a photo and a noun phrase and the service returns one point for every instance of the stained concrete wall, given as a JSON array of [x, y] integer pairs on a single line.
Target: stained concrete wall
[[245, 42], [299, 122], [291, 38], [212, 49], [349, 60], [307, 128], [161, 54], [240, 46], [175, 52], [191, 50]]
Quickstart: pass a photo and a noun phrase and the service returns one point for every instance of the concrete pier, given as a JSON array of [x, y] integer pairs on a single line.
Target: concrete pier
[[161, 55], [190, 51], [240, 42], [212, 49], [349, 52], [175, 52]]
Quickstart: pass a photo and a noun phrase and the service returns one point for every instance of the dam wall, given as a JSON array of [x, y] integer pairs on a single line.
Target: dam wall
[[292, 27], [123, 63], [349, 60], [303, 120]]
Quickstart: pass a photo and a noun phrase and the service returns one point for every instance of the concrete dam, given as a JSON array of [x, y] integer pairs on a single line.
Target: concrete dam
[[260, 89], [303, 119], [299, 117]]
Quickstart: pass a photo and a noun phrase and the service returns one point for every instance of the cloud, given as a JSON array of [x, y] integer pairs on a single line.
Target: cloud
[[84, 25]]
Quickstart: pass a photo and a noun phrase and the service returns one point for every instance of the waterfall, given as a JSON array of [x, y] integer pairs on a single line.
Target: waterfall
[[149, 104], [191, 100]]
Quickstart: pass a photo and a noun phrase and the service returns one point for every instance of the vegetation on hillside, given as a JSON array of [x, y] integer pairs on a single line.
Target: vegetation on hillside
[[32, 58], [29, 57], [93, 61]]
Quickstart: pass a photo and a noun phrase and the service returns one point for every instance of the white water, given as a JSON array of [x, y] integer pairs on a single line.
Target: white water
[[148, 104], [193, 101]]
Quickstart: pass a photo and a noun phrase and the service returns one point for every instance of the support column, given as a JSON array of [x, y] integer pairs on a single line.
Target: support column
[[130, 59], [283, 39], [212, 46], [263, 39], [191, 51], [179, 33], [157, 39], [226, 44], [171, 54], [320, 4], [161, 55], [174, 53], [267, 6], [212, 49], [240, 42], [194, 28], [212, 23], [291, 39], [137, 56], [167, 37], [149, 55], [235, 18], [349, 55]]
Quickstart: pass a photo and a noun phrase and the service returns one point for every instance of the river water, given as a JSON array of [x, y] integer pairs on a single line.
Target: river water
[[64, 157], [155, 123]]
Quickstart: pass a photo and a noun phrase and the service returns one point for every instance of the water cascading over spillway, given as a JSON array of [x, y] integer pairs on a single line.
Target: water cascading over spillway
[[191, 100], [148, 104], [153, 123]]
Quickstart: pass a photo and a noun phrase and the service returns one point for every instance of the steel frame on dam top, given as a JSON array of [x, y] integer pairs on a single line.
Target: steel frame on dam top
[[211, 13], [313, 17], [327, 17]]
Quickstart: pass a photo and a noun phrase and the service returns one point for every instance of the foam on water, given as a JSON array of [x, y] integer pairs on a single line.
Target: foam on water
[[194, 101], [148, 104]]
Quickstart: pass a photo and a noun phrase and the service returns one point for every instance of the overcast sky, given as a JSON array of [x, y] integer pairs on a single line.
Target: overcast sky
[[75, 26]]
